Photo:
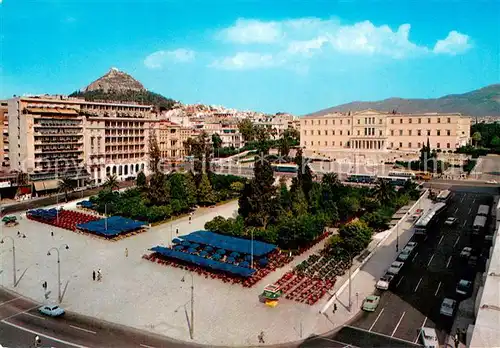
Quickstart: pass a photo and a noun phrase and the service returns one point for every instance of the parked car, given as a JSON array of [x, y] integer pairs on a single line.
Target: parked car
[[384, 282], [411, 245], [473, 261], [448, 307], [450, 221], [466, 252], [370, 303], [404, 254], [429, 338], [395, 267], [464, 287], [51, 310]]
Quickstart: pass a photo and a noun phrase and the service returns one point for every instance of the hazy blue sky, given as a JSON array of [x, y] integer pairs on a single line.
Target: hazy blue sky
[[270, 55]]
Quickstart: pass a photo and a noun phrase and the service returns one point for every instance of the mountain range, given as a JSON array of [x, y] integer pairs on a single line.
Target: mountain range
[[481, 102]]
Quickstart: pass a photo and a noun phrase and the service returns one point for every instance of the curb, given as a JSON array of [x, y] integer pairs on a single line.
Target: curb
[[355, 272]]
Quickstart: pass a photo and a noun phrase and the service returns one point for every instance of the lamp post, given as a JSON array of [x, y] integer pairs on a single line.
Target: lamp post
[[106, 216], [13, 257], [58, 268], [191, 327], [251, 249], [350, 280]]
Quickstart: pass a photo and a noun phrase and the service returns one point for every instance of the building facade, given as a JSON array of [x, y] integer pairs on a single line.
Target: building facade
[[171, 138], [4, 140], [227, 129], [370, 131], [54, 136]]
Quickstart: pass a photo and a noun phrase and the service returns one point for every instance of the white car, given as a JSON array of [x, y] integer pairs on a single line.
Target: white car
[[448, 307], [404, 254], [450, 221], [429, 337], [466, 252], [411, 245], [491, 182], [384, 282], [395, 267]]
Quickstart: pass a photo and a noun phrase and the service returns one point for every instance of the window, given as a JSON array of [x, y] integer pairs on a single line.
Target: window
[[340, 121], [380, 121], [366, 131], [326, 132], [380, 132], [348, 133], [319, 143], [428, 120], [392, 145], [340, 144], [319, 132], [326, 143], [409, 145], [438, 132], [358, 131], [333, 122], [400, 145], [448, 132], [333, 143], [392, 132], [439, 120], [305, 132], [400, 120], [419, 145], [333, 132], [448, 120], [326, 122], [428, 132], [419, 132], [348, 122], [409, 132], [400, 132], [359, 121], [373, 120], [438, 145], [305, 123], [305, 143], [419, 120], [448, 145], [340, 131], [392, 121]]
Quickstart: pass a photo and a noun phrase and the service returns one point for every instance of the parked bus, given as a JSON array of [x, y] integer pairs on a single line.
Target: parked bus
[[483, 210], [444, 196], [479, 224], [403, 174], [429, 218], [361, 178], [285, 168], [423, 176], [394, 180]]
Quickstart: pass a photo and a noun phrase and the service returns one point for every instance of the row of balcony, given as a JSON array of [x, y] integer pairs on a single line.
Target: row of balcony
[[58, 124], [60, 157], [123, 133], [57, 132], [59, 141]]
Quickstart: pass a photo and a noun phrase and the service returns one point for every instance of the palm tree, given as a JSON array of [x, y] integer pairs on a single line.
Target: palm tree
[[383, 191], [66, 185], [331, 180], [112, 182], [411, 189]]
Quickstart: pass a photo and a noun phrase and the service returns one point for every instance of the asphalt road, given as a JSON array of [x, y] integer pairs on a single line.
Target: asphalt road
[[432, 274], [20, 322]]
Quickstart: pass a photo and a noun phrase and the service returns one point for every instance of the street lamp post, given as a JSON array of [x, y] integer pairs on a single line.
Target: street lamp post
[[13, 257], [106, 216], [58, 268], [350, 280], [251, 251], [191, 327]]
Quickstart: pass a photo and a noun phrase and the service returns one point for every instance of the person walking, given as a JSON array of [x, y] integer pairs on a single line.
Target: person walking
[[261, 337], [126, 252], [99, 274], [93, 275], [334, 307]]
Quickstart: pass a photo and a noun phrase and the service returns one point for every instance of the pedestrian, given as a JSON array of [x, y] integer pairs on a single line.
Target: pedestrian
[[93, 275], [99, 274], [456, 341], [334, 307], [261, 337], [52, 234], [18, 234], [126, 252]]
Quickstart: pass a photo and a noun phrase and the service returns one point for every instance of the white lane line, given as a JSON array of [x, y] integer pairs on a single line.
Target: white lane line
[[448, 263], [437, 290], [43, 335], [463, 198], [400, 279], [414, 256], [474, 201], [455, 211], [397, 325], [82, 329], [470, 209], [440, 240], [378, 316], [11, 300], [146, 346], [465, 223], [418, 284], [456, 242], [35, 316], [19, 313], [430, 260], [418, 334]]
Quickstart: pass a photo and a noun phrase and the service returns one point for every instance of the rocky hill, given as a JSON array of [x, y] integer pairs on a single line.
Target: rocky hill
[[119, 86], [480, 102]]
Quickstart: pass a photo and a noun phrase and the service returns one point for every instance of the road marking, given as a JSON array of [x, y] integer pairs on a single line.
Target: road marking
[[378, 316], [146, 346], [456, 211], [345, 345], [414, 256], [430, 260], [400, 279], [448, 263], [82, 329], [437, 290], [465, 223], [397, 325], [418, 334], [19, 313], [440, 240], [43, 335], [463, 198], [474, 201], [35, 316], [456, 242], [418, 284], [2, 303], [470, 209]]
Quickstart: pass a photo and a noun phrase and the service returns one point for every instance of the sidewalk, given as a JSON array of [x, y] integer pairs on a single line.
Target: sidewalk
[[364, 280]]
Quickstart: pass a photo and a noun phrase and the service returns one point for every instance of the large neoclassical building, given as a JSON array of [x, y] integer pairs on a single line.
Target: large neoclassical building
[[374, 132]]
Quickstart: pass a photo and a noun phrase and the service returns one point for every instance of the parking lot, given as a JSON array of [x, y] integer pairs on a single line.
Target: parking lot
[[430, 274]]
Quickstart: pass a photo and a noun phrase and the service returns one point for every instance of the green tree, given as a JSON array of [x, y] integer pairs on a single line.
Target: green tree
[[383, 191], [304, 174], [66, 185], [111, 182], [237, 186], [495, 142], [154, 155], [216, 141], [356, 235], [205, 193], [158, 189], [348, 206], [191, 190], [141, 181], [247, 129], [476, 137], [299, 202], [263, 139]]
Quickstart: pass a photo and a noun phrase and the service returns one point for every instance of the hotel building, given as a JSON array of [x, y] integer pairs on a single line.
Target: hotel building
[[372, 132], [4, 140], [55, 136], [171, 140]]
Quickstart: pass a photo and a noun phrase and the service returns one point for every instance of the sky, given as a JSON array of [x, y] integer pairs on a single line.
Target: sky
[[270, 55]]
